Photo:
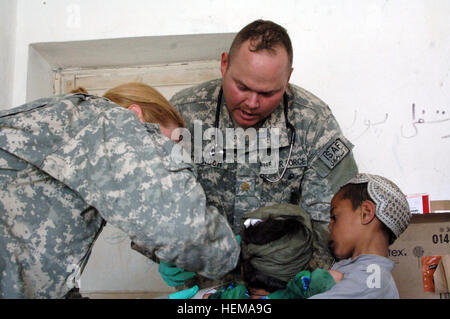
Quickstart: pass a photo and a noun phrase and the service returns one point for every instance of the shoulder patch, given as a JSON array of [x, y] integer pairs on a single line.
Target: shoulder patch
[[334, 153]]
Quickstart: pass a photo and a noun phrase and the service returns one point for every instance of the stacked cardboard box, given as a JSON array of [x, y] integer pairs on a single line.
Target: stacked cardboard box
[[426, 235]]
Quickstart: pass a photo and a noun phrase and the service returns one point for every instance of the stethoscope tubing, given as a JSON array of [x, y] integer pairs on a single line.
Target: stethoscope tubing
[[288, 124]]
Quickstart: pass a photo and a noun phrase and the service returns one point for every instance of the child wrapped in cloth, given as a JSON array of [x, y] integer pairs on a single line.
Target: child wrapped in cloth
[[276, 249]]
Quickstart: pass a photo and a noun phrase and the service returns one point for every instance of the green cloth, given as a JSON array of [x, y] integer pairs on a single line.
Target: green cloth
[[298, 288], [285, 257], [304, 285]]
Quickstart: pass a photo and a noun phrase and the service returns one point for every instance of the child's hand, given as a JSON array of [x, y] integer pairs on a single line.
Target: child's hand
[[337, 275]]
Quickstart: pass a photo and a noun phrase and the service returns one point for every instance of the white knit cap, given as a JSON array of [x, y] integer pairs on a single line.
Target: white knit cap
[[392, 208]]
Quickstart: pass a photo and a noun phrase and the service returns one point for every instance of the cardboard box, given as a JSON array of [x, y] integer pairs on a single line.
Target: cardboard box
[[426, 235], [440, 206]]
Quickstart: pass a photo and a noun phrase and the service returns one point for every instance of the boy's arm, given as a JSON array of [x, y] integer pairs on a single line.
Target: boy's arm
[[349, 288], [337, 275]]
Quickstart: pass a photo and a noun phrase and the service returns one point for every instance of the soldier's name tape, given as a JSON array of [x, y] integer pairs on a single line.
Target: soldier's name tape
[[241, 146]]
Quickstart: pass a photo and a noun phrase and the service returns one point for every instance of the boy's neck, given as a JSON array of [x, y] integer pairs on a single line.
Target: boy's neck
[[383, 253], [373, 245]]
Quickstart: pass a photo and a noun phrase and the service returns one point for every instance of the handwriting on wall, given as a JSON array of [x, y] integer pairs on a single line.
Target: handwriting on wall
[[426, 116], [420, 117], [368, 124]]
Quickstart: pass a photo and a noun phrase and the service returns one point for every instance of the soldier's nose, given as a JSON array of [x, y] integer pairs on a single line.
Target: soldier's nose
[[252, 101]]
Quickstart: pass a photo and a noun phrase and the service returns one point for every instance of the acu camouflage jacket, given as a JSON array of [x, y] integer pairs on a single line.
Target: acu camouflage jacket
[[67, 163], [320, 163]]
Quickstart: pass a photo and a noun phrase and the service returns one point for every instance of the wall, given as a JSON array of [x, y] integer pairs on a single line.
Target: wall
[[382, 66], [371, 61], [7, 45]]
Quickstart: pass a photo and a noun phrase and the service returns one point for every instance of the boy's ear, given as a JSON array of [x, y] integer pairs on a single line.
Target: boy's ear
[[138, 111], [367, 212]]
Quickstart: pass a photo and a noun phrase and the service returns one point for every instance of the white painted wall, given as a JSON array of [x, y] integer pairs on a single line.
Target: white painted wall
[[366, 59], [7, 48], [369, 60]]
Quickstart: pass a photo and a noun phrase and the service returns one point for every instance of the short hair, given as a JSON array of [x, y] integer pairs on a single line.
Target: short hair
[[357, 194], [263, 35], [264, 232]]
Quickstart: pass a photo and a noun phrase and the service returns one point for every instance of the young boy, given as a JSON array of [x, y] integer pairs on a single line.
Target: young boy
[[367, 215]]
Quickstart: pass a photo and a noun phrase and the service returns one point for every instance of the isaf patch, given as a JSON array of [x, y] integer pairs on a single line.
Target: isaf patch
[[334, 153]]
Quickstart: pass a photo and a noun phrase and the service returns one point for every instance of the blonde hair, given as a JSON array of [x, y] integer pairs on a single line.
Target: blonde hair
[[155, 107], [79, 89]]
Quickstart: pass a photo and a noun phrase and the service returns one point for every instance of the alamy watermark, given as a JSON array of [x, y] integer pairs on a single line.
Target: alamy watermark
[[235, 145], [374, 279], [73, 20]]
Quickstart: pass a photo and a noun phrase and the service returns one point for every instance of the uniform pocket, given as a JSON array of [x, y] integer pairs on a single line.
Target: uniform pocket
[[287, 190], [218, 181]]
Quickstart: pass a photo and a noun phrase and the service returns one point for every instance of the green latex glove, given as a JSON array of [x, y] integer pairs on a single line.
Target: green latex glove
[[184, 294], [238, 238], [172, 275]]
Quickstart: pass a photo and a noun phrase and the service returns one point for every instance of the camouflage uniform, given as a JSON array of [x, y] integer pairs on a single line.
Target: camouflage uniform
[[320, 163], [67, 163]]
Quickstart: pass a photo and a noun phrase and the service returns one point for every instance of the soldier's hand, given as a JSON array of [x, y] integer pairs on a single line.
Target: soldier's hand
[[172, 275]]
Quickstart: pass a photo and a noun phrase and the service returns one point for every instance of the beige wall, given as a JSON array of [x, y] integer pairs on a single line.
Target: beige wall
[[7, 51]]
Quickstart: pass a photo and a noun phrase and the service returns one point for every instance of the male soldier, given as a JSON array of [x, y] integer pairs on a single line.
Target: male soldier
[[68, 163], [255, 79]]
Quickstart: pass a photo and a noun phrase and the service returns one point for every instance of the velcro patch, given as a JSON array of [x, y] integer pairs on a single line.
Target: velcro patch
[[334, 153]]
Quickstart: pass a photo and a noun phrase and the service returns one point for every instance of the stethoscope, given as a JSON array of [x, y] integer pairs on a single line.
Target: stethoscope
[[212, 152]]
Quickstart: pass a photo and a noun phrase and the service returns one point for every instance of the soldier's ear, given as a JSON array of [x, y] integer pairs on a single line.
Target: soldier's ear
[[289, 77], [290, 73], [138, 111], [224, 62]]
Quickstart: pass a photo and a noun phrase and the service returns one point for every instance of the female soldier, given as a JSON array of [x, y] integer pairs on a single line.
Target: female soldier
[[68, 163]]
